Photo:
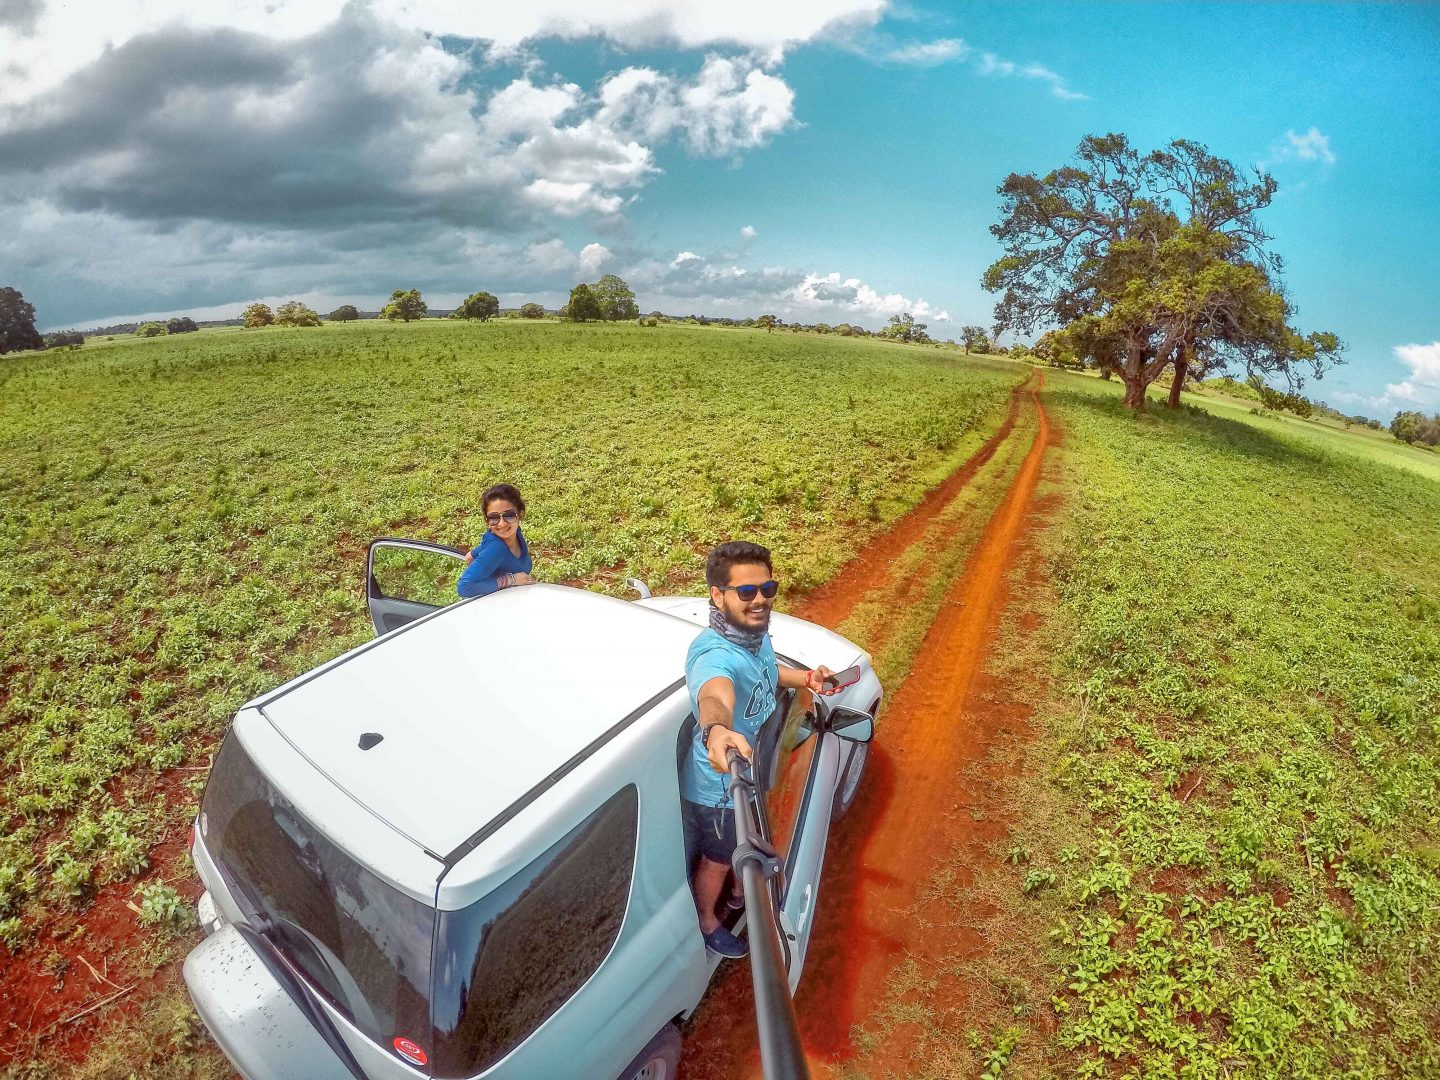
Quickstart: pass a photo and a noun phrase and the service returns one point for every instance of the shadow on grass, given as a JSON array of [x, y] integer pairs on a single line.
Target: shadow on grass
[[1220, 431]]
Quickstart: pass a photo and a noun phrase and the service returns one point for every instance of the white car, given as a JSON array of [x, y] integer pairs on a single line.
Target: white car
[[456, 851]]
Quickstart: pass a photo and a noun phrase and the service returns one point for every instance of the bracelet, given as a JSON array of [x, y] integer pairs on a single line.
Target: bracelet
[[705, 735]]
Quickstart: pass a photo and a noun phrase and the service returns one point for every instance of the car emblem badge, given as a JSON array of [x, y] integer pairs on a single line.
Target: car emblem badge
[[409, 1051]]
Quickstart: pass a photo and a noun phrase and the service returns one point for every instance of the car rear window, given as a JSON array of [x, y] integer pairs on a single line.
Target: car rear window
[[362, 944], [508, 961]]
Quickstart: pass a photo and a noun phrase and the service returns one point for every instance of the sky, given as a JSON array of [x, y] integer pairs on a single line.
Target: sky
[[826, 161]]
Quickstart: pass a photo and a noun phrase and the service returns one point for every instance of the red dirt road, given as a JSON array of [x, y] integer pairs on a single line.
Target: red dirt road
[[886, 849]]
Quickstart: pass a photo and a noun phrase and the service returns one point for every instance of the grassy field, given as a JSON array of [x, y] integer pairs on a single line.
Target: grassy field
[[184, 521], [1226, 828]]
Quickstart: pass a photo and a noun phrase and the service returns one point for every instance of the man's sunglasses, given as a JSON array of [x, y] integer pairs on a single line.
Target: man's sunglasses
[[747, 592], [506, 515]]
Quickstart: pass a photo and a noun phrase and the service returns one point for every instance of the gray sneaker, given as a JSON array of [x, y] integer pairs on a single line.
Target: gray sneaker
[[725, 943]]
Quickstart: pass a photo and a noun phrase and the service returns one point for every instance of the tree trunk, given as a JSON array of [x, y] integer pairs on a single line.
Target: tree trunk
[[1135, 392], [1181, 369], [1133, 374]]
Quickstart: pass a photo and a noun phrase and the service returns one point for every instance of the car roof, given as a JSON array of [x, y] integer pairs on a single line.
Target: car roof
[[478, 704]]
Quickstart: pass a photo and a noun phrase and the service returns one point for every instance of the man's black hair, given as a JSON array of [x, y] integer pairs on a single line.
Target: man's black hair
[[724, 557]]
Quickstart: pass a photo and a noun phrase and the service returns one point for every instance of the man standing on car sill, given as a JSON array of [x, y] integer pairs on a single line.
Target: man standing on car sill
[[733, 676]]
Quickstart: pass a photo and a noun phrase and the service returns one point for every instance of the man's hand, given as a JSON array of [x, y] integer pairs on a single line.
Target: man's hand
[[815, 681], [719, 743]]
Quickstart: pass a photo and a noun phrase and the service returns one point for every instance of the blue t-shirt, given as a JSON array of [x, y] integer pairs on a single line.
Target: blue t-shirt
[[489, 560], [755, 678]]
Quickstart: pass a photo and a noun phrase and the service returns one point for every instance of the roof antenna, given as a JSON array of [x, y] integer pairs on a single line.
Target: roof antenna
[[369, 739]]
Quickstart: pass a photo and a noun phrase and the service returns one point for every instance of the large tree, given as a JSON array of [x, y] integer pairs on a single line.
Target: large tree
[[405, 304], [1147, 263], [184, 324], [583, 306], [532, 311], [258, 314], [904, 328], [17, 323], [615, 298], [479, 305], [294, 313], [343, 313]]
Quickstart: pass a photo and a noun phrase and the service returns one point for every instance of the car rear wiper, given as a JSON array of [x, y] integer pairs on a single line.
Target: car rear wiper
[[303, 997], [254, 930]]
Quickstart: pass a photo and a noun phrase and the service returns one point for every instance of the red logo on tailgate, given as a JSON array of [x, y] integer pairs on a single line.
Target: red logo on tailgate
[[409, 1051]]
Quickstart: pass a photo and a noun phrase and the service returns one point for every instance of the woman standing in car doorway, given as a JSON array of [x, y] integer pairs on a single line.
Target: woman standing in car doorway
[[502, 558]]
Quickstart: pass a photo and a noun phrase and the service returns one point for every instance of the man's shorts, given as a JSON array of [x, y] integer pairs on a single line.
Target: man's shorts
[[710, 830]]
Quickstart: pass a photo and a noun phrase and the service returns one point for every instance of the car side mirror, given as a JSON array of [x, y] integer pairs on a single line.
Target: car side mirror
[[851, 724]]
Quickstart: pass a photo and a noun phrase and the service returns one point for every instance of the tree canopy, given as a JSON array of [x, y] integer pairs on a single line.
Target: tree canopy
[[343, 313], [181, 325], [258, 314], [294, 313], [405, 304], [532, 311], [478, 305], [1150, 262], [583, 306], [904, 328], [17, 323], [769, 322], [615, 299], [1416, 427], [151, 329]]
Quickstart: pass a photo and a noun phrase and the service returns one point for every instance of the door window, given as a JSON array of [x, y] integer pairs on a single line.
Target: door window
[[786, 766], [416, 574]]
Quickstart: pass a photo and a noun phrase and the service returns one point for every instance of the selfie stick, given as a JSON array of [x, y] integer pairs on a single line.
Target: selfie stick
[[755, 862]]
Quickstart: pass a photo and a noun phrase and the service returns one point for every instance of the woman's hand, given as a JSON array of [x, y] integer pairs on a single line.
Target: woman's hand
[[521, 578]]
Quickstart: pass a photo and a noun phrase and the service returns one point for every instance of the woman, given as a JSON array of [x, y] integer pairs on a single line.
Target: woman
[[502, 558]]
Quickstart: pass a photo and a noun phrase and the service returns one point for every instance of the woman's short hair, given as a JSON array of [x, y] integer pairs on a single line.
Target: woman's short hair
[[509, 492], [727, 555]]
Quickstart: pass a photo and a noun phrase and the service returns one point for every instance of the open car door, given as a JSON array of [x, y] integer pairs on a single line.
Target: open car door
[[408, 579]]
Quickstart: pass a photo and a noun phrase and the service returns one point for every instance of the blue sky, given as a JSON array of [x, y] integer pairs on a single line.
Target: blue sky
[[858, 144]]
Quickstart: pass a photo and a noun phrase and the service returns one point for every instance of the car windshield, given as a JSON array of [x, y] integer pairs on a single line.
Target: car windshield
[[359, 942]]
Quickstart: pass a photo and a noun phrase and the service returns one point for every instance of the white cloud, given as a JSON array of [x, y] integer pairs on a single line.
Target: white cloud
[[593, 258], [45, 44], [1422, 386], [731, 105], [1311, 146], [929, 53], [760, 26], [990, 64], [747, 232], [851, 295], [719, 286]]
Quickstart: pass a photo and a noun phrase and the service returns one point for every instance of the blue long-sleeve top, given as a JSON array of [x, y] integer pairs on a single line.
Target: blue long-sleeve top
[[488, 561]]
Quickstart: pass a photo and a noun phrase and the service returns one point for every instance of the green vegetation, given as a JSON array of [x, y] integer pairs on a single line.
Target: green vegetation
[[184, 519], [1227, 835]]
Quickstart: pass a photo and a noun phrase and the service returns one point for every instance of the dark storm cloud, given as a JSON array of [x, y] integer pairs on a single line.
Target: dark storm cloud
[[22, 15], [233, 127]]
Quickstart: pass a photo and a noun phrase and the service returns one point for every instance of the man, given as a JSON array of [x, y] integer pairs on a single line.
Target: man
[[733, 676]]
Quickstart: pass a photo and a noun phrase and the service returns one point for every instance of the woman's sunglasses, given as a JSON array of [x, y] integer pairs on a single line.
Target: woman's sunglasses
[[503, 515], [747, 592]]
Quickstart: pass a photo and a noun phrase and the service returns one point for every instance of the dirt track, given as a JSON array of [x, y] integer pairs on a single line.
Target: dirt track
[[885, 850]]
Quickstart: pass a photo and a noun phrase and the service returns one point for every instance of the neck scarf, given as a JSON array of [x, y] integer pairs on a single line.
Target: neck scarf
[[749, 640]]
